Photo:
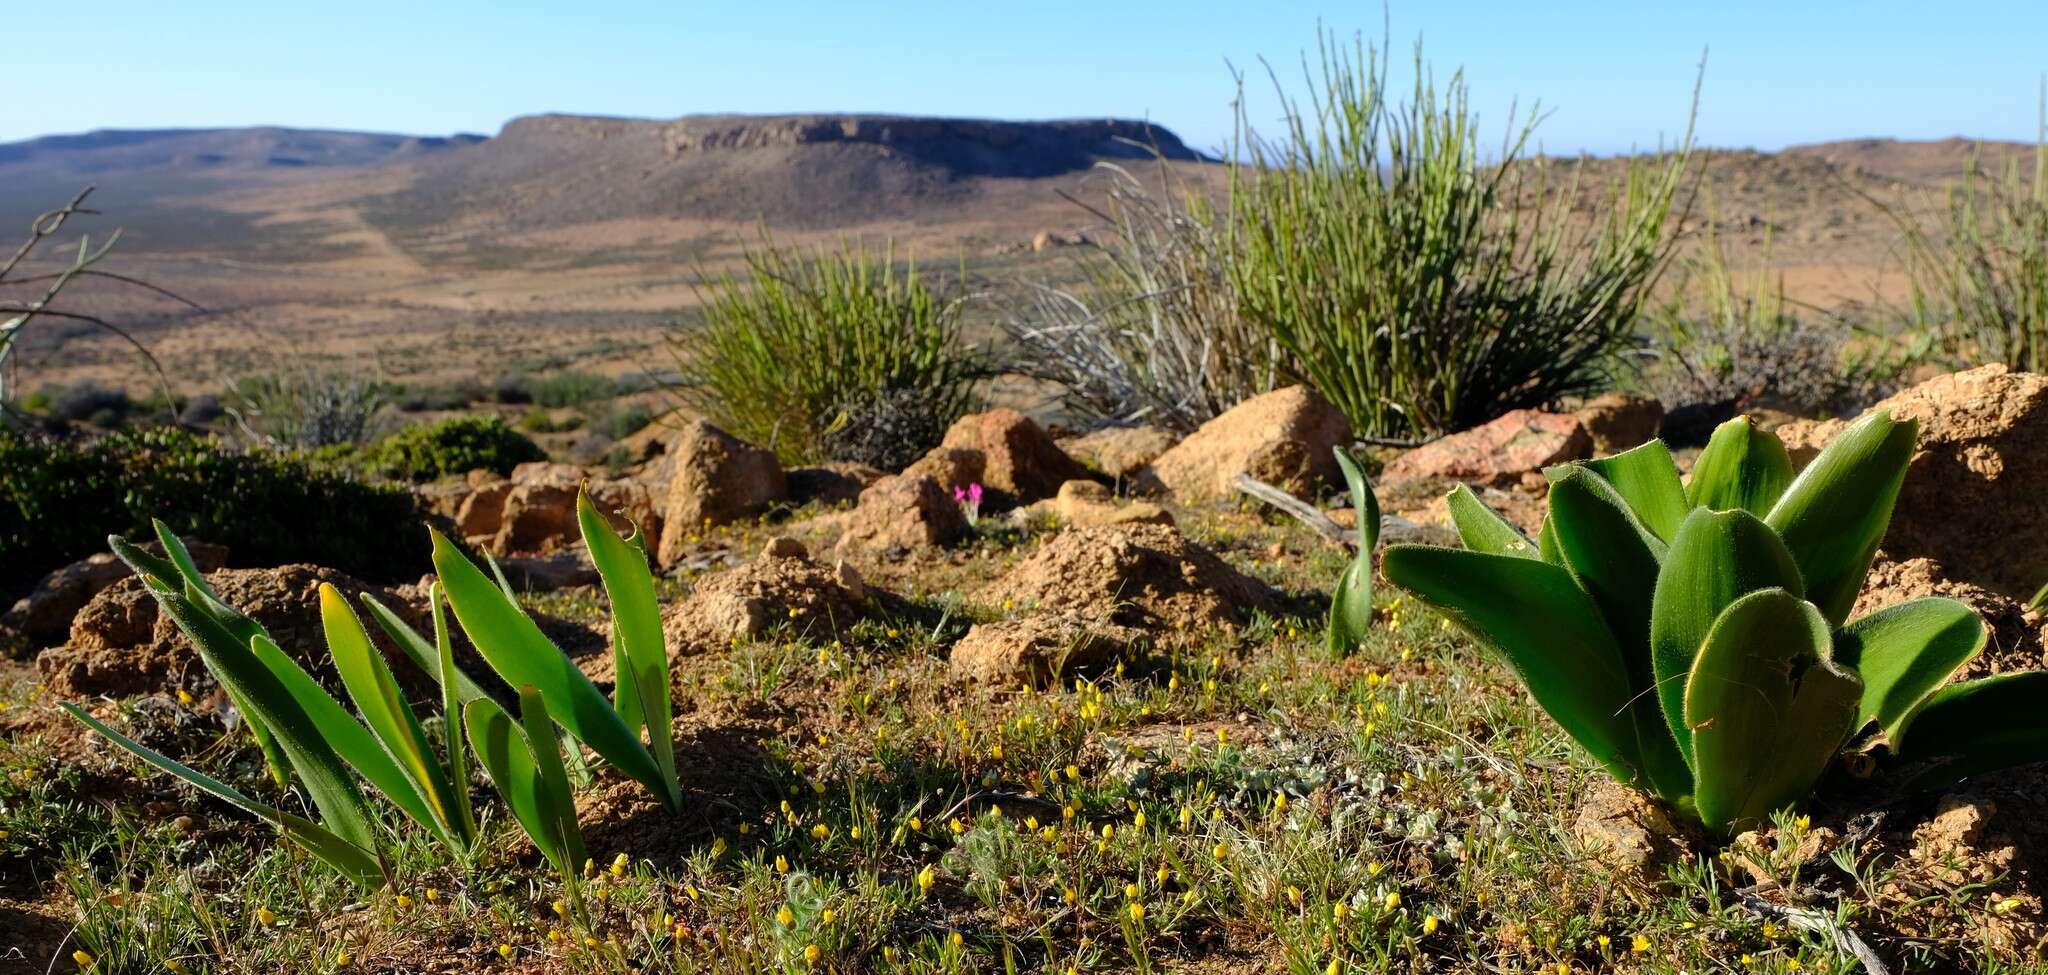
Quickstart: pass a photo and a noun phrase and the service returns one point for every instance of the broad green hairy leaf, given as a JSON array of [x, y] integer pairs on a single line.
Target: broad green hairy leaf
[[1484, 530], [1716, 558], [516, 648], [1975, 726], [1615, 559], [1767, 707], [359, 865], [642, 653], [1741, 467], [397, 729], [1351, 601], [1835, 512], [1904, 652], [1547, 630], [1648, 479]]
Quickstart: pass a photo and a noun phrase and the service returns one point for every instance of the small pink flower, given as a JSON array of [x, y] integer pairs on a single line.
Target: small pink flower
[[960, 495], [974, 493]]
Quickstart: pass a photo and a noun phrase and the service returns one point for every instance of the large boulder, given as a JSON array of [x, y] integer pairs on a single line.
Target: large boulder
[[782, 588], [1619, 421], [1282, 438], [1498, 453], [482, 510], [1034, 650], [539, 516], [43, 617], [899, 514], [715, 478], [1145, 576], [1976, 496], [1004, 451]]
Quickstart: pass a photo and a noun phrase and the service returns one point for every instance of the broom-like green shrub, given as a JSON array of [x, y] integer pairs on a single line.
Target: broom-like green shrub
[[1693, 636]]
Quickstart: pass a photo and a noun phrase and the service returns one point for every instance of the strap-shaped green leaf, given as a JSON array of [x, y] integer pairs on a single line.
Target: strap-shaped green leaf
[[1904, 652], [507, 757], [1767, 707], [180, 573], [642, 694], [1351, 600], [1647, 478], [1741, 467], [558, 804], [1615, 558], [1547, 630], [303, 741], [1835, 512], [1363, 502], [1716, 558], [521, 654], [1974, 727], [423, 654], [451, 709], [390, 719], [351, 861], [354, 744], [1484, 530]]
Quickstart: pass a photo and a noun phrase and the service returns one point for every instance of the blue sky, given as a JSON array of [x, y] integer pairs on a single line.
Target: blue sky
[[1613, 74]]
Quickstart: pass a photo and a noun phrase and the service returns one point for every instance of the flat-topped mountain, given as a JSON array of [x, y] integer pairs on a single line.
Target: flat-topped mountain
[[805, 171]]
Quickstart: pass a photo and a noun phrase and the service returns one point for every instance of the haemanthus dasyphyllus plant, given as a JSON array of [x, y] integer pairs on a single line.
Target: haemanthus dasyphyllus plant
[[1693, 636]]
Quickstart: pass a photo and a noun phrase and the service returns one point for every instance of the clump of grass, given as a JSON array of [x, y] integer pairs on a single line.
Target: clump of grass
[[1980, 278], [784, 351], [1154, 335], [1422, 287], [572, 388]]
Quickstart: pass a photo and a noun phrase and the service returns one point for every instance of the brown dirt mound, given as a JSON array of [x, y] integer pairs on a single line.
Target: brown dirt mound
[[1133, 575], [121, 645], [2014, 634], [813, 600]]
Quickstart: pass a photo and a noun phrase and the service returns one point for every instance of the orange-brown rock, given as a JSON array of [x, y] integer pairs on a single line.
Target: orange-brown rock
[[1283, 438]]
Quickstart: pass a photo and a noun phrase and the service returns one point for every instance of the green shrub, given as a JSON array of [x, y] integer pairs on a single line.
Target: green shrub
[[572, 389], [782, 352], [620, 420], [308, 409], [1980, 280], [1418, 285], [59, 500], [453, 446]]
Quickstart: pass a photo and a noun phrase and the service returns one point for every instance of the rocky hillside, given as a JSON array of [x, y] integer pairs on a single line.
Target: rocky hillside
[[804, 171]]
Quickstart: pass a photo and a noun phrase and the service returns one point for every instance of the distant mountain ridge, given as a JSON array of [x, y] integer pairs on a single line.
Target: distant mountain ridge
[[103, 150]]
